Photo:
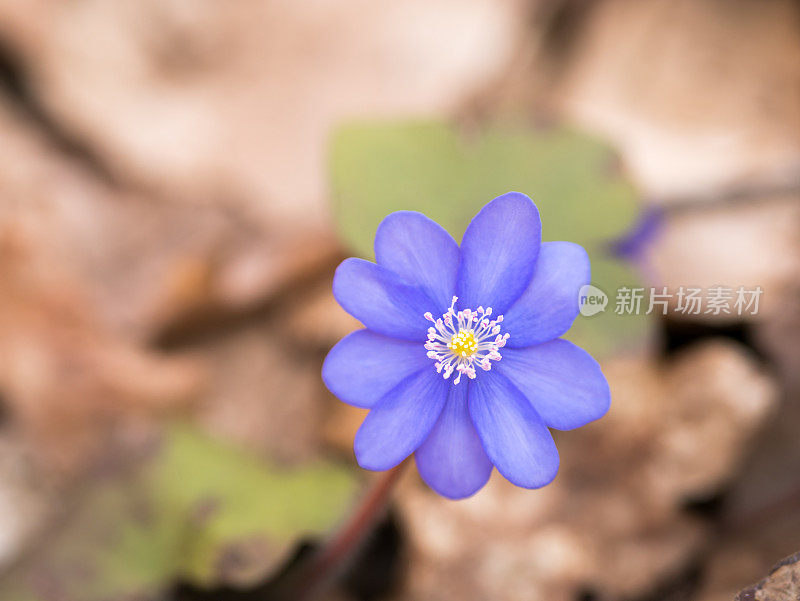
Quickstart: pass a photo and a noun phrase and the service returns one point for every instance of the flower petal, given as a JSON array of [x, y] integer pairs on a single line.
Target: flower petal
[[421, 252], [498, 253], [549, 304], [562, 381], [364, 366], [401, 420], [381, 300], [514, 436], [452, 460]]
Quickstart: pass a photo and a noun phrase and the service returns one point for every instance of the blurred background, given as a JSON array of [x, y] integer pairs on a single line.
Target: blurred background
[[178, 181]]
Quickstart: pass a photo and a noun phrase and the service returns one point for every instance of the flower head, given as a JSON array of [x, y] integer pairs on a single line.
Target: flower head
[[461, 362]]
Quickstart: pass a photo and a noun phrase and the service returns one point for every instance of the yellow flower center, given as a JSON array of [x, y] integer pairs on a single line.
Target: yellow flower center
[[461, 341], [463, 344]]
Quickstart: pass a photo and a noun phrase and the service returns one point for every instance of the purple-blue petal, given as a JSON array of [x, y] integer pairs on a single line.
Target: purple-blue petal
[[398, 423], [452, 460], [514, 436], [562, 381], [382, 300], [421, 252], [364, 366], [549, 304], [498, 253], [633, 243]]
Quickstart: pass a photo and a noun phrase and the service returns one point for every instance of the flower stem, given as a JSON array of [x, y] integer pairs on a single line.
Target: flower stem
[[331, 558]]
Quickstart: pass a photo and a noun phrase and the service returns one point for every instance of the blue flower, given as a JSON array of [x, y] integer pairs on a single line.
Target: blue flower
[[461, 362]]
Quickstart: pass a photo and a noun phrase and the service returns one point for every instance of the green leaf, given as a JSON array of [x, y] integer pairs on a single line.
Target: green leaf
[[608, 332], [198, 509], [245, 499], [378, 168]]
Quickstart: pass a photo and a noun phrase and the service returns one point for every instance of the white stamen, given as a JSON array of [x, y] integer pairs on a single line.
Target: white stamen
[[460, 341]]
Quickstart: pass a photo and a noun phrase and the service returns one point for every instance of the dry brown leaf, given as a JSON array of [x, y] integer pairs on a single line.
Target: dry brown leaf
[[699, 96], [782, 584], [63, 374], [157, 89]]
